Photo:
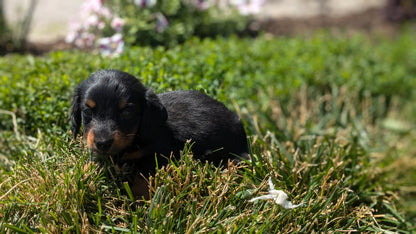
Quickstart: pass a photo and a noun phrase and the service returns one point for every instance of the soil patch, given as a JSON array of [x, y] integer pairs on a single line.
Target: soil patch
[[369, 21]]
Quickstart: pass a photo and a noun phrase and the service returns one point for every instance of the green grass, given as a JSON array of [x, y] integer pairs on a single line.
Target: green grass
[[331, 120]]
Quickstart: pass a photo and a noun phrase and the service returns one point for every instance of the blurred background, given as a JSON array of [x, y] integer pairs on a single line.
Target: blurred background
[[37, 26]]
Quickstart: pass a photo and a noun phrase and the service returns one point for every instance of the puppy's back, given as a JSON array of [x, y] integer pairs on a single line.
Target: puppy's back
[[217, 133]]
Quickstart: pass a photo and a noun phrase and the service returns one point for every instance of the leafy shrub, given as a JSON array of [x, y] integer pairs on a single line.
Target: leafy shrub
[[110, 24], [172, 22]]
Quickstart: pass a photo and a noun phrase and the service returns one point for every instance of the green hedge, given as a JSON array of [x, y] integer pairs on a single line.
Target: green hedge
[[39, 89]]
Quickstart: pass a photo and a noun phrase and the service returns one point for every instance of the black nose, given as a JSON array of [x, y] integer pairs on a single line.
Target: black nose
[[104, 144]]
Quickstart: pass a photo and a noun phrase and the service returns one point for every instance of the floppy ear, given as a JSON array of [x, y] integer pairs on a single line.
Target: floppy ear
[[76, 113], [154, 116]]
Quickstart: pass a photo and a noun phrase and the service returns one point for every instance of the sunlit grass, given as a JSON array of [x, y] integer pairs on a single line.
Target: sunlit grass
[[341, 171]]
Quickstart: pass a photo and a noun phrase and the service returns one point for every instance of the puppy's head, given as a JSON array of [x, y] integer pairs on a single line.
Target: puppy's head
[[116, 111]]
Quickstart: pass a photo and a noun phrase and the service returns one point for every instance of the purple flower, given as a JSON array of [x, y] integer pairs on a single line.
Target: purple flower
[[104, 11], [72, 31], [91, 6], [161, 22], [111, 46], [92, 20], [248, 7], [145, 3], [117, 24], [86, 40], [202, 4]]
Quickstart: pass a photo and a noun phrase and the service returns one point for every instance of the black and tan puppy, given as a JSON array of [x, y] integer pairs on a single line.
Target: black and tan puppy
[[126, 121]]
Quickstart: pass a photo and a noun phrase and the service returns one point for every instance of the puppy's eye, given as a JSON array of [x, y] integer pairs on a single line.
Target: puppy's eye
[[126, 113], [87, 112]]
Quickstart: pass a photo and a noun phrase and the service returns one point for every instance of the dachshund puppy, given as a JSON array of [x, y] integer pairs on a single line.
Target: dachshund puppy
[[132, 125]]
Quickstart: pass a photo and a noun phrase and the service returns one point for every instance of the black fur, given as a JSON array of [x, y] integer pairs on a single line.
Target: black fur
[[127, 118]]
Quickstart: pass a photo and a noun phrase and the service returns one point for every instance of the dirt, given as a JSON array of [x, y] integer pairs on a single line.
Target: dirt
[[370, 21]]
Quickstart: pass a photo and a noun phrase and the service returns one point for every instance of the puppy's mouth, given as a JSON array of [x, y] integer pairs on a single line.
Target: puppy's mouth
[[106, 148], [108, 152], [109, 146]]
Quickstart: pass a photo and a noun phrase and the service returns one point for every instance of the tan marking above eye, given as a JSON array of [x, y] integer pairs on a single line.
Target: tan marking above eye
[[91, 103]]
